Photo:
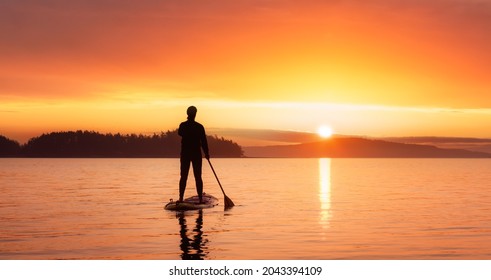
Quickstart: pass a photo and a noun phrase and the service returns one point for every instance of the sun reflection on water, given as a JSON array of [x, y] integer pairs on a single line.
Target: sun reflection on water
[[325, 191]]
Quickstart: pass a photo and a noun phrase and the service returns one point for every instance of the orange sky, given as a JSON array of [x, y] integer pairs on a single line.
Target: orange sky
[[379, 68]]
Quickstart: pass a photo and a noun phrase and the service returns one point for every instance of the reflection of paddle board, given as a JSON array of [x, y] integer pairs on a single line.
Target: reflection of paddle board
[[192, 203]]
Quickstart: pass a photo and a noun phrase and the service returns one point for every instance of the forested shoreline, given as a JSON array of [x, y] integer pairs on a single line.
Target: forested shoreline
[[94, 144]]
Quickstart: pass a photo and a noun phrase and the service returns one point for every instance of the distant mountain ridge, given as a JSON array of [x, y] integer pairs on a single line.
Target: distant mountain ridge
[[356, 147], [464, 143]]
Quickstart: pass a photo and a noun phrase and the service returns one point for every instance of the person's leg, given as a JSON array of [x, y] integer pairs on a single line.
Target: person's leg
[[185, 164], [197, 165]]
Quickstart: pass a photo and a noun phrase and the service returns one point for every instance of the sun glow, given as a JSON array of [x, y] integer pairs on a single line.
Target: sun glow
[[324, 131]]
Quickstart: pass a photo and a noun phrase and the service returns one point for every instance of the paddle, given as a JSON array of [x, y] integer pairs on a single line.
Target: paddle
[[228, 202]]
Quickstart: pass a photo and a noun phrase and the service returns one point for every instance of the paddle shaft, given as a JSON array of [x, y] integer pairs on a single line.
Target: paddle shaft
[[228, 202], [213, 169]]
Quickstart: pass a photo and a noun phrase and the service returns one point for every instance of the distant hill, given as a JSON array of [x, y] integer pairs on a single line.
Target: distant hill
[[94, 144], [355, 147]]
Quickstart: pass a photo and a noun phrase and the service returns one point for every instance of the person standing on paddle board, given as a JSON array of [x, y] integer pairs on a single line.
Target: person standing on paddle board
[[193, 140]]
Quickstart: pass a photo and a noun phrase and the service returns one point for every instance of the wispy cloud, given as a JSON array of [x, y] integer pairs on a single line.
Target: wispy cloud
[[247, 50], [335, 107], [257, 136]]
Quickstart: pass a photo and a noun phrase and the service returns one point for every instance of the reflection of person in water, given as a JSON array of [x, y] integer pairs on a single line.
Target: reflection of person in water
[[192, 248]]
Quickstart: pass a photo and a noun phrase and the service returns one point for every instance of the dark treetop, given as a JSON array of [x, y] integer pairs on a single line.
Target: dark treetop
[[94, 144]]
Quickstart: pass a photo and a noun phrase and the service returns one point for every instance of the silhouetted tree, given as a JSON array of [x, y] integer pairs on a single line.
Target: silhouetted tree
[[9, 148], [220, 147], [93, 144]]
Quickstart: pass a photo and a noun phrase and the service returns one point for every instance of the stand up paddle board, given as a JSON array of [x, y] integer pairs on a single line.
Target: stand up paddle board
[[192, 203]]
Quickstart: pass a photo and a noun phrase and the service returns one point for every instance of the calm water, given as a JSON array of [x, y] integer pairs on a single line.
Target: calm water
[[286, 209]]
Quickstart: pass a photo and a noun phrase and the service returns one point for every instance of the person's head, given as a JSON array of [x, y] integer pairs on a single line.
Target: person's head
[[191, 112]]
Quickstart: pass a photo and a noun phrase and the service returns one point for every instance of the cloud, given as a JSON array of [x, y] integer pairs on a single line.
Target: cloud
[[265, 135], [332, 51]]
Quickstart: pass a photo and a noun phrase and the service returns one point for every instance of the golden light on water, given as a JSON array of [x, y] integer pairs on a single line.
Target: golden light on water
[[325, 191]]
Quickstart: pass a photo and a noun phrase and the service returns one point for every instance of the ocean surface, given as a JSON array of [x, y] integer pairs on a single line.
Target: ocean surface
[[285, 209]]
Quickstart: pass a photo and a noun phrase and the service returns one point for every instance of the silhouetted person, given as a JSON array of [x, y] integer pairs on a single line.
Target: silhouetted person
[[193, 140]]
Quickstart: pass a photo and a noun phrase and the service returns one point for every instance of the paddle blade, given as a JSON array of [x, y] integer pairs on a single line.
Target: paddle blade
[[228, 202]]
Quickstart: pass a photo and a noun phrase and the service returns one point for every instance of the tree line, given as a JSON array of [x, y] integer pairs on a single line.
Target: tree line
[[94, 144]]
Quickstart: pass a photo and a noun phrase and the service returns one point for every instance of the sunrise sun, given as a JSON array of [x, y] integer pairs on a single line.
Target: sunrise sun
[[324, 131]]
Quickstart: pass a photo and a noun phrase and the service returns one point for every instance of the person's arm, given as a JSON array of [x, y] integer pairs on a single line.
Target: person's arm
[[179, 131], [204, 144]]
